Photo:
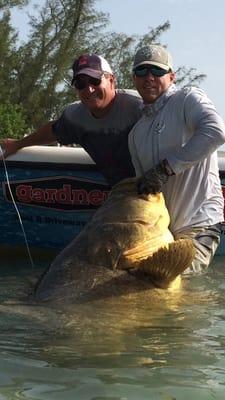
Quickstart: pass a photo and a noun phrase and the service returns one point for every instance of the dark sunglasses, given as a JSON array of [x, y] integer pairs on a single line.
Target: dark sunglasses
[[144, 70], [81, 83]]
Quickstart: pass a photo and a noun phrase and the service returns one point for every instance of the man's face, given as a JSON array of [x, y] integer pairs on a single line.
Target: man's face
[[151, 87], [97, 95]]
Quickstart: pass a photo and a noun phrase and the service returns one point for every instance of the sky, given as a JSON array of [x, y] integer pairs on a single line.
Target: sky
[[195, 39]]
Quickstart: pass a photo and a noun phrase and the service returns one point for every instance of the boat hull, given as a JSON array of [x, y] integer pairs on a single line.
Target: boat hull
[[51, 193]]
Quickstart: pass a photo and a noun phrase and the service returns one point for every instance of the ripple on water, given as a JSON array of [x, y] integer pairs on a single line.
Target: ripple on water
[[164, 347]]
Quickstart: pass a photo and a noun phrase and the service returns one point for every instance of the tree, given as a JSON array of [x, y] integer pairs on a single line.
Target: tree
[[59, 33], [36, 74], [12, 121], [7, 4], [8, 58]]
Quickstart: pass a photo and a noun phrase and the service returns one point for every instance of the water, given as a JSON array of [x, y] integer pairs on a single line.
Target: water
[[171, 347]]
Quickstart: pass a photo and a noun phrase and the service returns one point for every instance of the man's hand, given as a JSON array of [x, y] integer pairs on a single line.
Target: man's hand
[[153, 180], [9, 146]]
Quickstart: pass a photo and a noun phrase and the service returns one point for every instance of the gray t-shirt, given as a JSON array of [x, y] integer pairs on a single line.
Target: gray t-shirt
[[105, 139]]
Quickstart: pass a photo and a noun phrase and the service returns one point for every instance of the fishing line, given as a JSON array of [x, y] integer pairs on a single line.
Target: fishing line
[[16, 208]]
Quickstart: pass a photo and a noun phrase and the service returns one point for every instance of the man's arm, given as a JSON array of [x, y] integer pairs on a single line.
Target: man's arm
[[208, 131], [43, 135]]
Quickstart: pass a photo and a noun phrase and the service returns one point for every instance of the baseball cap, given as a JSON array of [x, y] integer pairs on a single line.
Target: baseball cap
[[154, 55], [92, 65]]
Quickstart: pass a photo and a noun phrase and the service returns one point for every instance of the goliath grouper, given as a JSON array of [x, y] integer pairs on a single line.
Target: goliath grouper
[[126, 247]]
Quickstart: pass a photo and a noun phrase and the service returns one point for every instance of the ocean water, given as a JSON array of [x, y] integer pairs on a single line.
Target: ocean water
[[169, 347]]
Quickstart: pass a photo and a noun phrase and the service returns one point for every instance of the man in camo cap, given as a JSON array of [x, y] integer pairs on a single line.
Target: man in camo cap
[[173, 148]]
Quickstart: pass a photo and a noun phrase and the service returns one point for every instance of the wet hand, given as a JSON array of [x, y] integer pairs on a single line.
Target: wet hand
[[153, 180]]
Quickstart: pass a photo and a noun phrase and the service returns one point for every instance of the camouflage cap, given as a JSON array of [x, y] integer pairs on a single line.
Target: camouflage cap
[[154, 55]]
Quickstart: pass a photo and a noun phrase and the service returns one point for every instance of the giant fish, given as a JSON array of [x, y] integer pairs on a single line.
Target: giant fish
[[126, 248]]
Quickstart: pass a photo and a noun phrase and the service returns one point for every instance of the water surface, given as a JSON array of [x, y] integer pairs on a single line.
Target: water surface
[[170, 346]]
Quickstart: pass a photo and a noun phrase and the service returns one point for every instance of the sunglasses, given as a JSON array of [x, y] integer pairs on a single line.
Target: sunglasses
[[81, 83], [144, 70]]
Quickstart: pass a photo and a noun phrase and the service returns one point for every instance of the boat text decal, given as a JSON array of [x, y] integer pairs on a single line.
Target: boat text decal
[[61, 193]]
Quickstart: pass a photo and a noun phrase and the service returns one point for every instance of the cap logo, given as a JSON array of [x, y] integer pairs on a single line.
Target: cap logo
[[83, 60]]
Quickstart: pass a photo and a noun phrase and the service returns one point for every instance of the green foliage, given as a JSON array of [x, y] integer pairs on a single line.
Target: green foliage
[[36, 74], [12, 121], [8, 58], [58, 34], [7, 4]]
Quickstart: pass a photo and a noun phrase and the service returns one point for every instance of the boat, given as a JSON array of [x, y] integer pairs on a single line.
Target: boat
[[49, 193]]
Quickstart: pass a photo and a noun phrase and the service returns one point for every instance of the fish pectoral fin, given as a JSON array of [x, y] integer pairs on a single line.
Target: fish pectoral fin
[[164, 266]]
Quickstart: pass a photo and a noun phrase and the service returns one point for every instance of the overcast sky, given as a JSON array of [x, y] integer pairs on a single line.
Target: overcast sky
[[195, 39]]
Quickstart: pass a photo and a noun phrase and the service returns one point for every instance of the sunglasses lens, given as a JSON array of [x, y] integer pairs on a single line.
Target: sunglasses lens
[[81, 83], [94, 81], [154, 70], [141, 71]]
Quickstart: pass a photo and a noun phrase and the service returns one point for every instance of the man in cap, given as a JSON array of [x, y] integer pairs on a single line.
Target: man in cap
[[99, 122], [173, 148]]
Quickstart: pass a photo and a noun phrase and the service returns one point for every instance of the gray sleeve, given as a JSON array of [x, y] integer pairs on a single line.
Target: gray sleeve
[[65, 128], [207, 131]]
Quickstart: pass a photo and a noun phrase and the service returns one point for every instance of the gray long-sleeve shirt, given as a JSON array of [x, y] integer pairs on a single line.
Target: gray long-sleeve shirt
[[183, 126]]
